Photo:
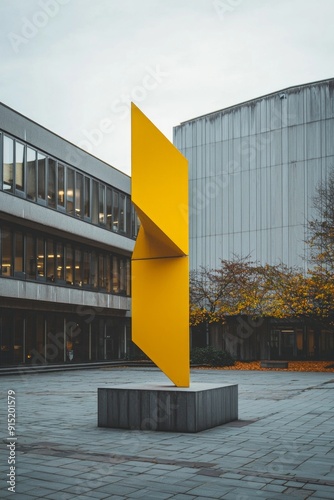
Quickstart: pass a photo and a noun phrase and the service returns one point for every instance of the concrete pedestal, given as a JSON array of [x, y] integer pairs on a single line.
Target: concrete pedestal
[[167, 408]]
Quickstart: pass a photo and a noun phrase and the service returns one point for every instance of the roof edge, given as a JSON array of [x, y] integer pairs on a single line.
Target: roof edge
[[303, 85], [62, 138]]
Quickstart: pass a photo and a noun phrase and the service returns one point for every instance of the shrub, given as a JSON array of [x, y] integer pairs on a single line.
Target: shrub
[[211, 356]]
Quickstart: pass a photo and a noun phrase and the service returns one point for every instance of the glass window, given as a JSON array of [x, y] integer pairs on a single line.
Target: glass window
[[78, 267], [70, 192], [109, 207], [18, 254], [40, 257], [61, 185], [19, 171], [78, 194], [69, 274], [122, 210], [41, 161], [128, 277], [52, 183], [87, 197], [102, 273], [128, 216], [30, 265], [31, 174], [102, 204], [115, 211], [115, 274], [108, 274], [60, 262], [86, 268], [94, 270], [7, 252], [134, 222], [50, 261], [95, 203], [122, 276], [8, 163]]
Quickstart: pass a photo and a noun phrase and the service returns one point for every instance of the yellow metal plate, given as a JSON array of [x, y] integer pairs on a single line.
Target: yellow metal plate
[[160, 268]]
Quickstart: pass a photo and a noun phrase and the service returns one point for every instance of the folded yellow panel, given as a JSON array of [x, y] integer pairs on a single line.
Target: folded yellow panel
[[159, 181], [160, 318], [160, 274]]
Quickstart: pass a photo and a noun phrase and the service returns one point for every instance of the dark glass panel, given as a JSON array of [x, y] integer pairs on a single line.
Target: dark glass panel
[[78, 267], [115, 202], [18, 255], [95, 203], [70, 192], [102, 204], [8, 163], [41, 163], [86, 268], [60, 262], [30, 265], [19, 171], [31, 174], [94, 270], [78, 194], [109, 207], [128, 277], [122, 276], [61, 185], [40, 257], [87, 197], [19, 324], [128, 216], [115, 272], [69, 271], [55, 338], [7, 252], [122, 210], [108, 273], [102, 275], [52, 183], [50, 260]]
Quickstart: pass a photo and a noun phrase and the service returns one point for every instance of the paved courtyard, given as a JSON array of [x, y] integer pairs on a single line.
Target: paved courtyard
[[281, 447]]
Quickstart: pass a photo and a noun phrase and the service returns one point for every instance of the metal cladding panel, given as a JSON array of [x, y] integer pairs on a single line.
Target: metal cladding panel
[[253, 196], [292, 144], [276, 147], [296, 194], [258, 165], [237, 186], [245, 201], [244, 122], [276, 196], [225, 127], [313, 140], [236, 123], [329, 101]]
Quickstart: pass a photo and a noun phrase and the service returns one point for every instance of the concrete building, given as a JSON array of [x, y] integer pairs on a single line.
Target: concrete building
[[67, 230], [254, 169]]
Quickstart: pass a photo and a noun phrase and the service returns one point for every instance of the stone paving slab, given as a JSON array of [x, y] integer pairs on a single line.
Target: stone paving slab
[[281, 447]]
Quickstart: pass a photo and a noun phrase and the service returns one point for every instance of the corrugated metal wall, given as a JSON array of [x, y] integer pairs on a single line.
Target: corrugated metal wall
[[254, 169]]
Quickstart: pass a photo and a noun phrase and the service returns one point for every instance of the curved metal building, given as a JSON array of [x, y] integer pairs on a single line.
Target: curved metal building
[[254, 169]]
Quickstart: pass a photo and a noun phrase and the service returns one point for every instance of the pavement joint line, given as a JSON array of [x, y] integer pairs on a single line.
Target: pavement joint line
[[205, 468], [84, 455]]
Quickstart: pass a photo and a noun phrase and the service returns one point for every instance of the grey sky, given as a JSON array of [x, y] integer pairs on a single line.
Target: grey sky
[[74, 65]]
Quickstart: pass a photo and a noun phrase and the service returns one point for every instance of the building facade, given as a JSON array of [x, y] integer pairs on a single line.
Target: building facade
[[254, 169], [67, 230]]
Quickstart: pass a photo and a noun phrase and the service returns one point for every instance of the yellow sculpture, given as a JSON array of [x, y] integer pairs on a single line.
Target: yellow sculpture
[[160, 269]]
